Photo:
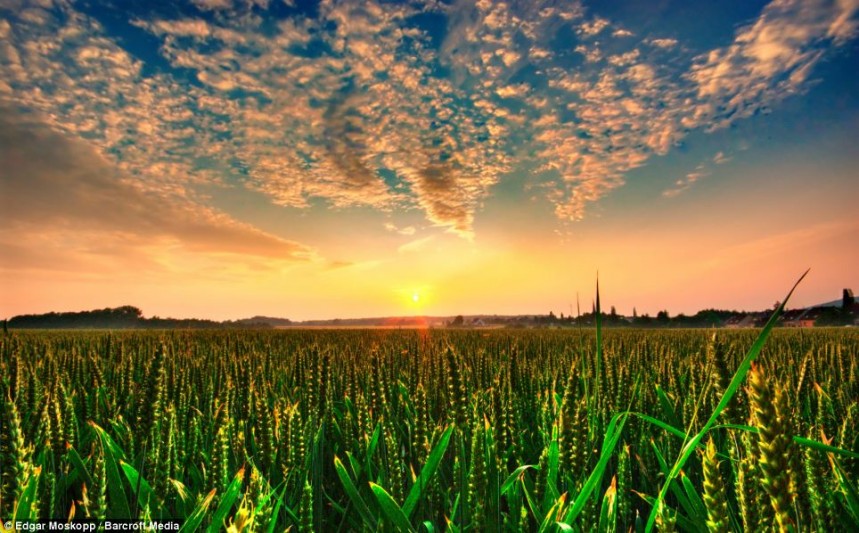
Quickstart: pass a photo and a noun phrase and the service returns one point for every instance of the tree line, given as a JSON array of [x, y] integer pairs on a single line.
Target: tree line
[[125, 317]]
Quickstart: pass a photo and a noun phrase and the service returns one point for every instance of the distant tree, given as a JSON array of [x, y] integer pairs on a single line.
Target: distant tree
[[119, 317], [833, 316], [634, 313], [663, 316], [613, 313], [711, 317], [458, 321], [643, 320]]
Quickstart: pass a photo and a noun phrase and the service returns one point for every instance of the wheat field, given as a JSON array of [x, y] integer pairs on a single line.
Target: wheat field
[[434, 430]]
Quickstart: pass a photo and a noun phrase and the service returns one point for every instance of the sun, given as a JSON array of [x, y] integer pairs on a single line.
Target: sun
[[416, 297]]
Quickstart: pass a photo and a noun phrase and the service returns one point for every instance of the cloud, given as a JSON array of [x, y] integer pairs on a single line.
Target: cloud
[[196, 28], [769, 59], [68, 204], [359, 104], [683, 184], [213, 5], [720, 158], [408, 230], [416, 245], [663, 43], [843, 26], [593, 27], [701, 171], [783, 243]]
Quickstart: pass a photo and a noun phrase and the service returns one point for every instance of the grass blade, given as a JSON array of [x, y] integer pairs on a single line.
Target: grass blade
[[668, 407], [26, 510], [684, 523], [354, 496], [512, 478], [699, 514], [433, 459], [675, 488], [733, 387], [597, 377], [79, 465], [554, 513], [613, 433], [851, 495], [802, 441], [608, 510], [529, 500], [227, 500], [817, 445], [144, 494], [656, 422], [276, 511], [392, 511], [117, 501], [196, 517], [552, 464]]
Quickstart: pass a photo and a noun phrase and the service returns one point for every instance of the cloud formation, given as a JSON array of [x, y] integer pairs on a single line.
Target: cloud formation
[[396, 105], [769, 59], [61, 195], [684, 183]]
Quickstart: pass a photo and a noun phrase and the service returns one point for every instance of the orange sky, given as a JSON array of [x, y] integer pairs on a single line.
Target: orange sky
[[434, 165]]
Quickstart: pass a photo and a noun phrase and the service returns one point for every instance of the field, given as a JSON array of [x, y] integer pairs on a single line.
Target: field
[[434, 430]]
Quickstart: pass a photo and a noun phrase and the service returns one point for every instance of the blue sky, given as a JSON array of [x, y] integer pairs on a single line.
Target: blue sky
[[200, 145]]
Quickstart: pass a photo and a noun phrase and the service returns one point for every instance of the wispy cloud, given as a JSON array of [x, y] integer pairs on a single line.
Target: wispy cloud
[[338, 266], [769, 59], [701, 171], [416, 245], [663, 42], [407, 230], [213, 5], [684, 183], [74, 204], [720, 158], [783, 243]]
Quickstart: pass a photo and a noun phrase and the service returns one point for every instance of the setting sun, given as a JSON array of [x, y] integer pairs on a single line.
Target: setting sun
[[416, 297]]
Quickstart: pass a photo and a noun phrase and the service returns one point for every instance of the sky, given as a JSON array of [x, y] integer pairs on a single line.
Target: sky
[[228, 158]]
